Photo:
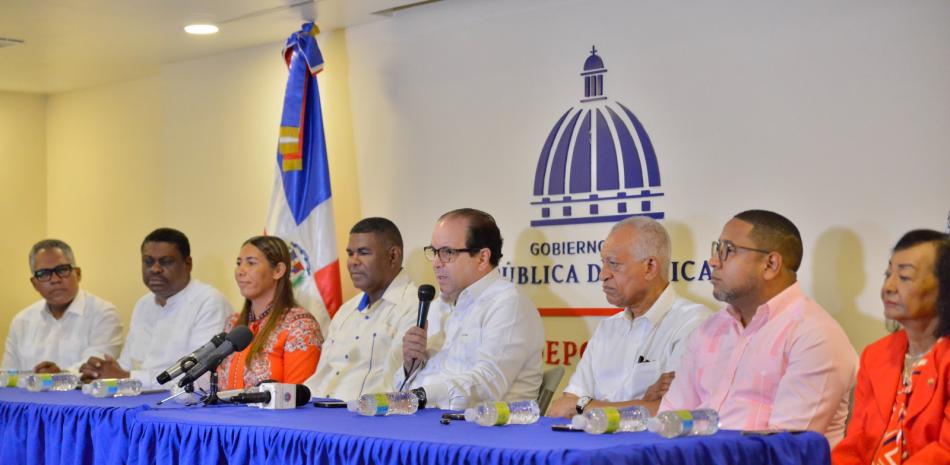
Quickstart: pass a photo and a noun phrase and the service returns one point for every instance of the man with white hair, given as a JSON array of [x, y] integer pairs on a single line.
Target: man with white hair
[[632, 356]]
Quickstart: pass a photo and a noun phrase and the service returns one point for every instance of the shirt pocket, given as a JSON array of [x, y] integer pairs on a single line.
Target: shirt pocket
[[641, 378]]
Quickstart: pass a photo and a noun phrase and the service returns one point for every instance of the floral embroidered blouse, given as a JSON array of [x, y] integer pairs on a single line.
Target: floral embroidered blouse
[[290, 354]]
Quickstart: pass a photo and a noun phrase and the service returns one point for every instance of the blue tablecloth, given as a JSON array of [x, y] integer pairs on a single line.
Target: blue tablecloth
[[68, 428]]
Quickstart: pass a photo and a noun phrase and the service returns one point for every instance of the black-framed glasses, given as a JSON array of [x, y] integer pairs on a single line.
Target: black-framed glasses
[[63, 271], [445, 254], [723, 249]]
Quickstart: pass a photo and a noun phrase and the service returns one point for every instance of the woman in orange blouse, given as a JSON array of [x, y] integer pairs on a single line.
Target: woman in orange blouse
[[287, 338]]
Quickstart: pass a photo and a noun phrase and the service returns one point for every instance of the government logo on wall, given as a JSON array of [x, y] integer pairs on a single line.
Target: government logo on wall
[[597, 164]]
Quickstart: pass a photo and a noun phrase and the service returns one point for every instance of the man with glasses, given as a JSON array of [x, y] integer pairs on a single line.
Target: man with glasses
[[179, 315], [772, 358], [633, 355], [68, 325], [484, 338], [363, 347]]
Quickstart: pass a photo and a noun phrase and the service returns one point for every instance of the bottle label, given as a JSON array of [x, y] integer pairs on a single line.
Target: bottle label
[[613, 419], [111, 386], [504, 413], [687, 417], [382, 404], [45, 381]]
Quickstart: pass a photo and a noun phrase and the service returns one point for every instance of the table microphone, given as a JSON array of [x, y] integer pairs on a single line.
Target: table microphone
[[188, 361], [275, 396], [237, 340]]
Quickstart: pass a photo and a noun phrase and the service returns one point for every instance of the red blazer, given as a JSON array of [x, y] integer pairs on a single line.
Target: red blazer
[[927, 425]]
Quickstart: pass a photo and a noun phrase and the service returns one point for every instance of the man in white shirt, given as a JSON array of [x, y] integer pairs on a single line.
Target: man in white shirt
[[363, 347], [484, 338], [179, 315], [68, 325], [632, 356]]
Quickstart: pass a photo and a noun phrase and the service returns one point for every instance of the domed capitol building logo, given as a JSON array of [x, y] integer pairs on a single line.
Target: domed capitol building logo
[[598, 164]]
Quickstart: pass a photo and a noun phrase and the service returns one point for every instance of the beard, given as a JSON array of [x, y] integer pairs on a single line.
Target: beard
[[731, 292]]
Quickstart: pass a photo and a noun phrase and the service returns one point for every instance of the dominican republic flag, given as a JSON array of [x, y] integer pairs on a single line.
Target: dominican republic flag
[[301, 209]]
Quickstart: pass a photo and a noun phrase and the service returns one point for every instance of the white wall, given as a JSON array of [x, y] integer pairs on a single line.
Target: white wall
[[832, 114]]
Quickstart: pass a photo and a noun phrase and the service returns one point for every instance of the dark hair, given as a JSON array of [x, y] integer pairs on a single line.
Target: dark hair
[[482, 233], [275, 251], [772, 231], [917, 237], [382, 227], [943, 282], [171, 236]]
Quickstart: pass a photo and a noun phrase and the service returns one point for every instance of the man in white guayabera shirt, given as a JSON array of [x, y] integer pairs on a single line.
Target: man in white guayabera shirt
[[363, 346], [67, 325], [632, 357], [179, 315], [484, 337]]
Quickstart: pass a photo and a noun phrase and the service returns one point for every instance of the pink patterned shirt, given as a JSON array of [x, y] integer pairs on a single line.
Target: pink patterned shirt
[[792, 367]]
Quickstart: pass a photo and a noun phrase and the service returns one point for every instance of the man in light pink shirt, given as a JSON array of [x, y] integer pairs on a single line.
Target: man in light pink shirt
[[773, 358]]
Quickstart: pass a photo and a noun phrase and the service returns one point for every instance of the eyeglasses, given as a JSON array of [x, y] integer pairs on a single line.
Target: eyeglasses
[[723, 249], [445, 254], [63, 271]]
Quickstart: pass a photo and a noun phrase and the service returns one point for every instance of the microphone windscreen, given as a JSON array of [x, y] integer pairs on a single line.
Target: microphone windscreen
[[426, 293], [240, 338], [303, 395]]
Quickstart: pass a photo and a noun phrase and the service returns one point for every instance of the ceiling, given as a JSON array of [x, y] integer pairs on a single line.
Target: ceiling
[[69, 44]]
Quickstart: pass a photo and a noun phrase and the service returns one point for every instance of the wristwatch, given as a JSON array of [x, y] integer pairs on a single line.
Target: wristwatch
[[582, 403], [421, 394]]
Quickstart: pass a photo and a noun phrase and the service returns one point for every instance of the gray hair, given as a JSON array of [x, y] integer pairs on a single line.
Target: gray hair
[[652, 241], [51, 244]]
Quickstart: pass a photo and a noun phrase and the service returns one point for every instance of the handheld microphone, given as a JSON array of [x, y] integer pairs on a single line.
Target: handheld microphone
[[188, 361], [237, 340], [426, 294], [275, 396]]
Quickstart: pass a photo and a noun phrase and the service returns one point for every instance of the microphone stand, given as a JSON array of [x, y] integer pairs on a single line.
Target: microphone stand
[[211, 398]]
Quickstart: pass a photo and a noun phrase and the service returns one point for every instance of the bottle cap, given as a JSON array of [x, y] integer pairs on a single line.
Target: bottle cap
[[579, 421]]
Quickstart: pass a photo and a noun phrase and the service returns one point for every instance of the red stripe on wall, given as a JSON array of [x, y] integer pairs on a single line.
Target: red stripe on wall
[[572, 312]]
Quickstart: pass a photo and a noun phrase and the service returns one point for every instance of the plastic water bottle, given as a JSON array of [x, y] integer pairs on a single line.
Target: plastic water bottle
[[675, 423], [111, 387], [389, 403], [522, 412], [11, 378], [612, 420], [52, 382]]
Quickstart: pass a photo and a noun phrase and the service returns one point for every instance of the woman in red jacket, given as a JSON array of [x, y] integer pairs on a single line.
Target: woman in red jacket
[[901, 413]]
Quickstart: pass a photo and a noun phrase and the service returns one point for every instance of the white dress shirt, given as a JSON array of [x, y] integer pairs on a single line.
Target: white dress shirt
[[626, 355], [486, 347], [363, 346], [89, 327], [159, 336]]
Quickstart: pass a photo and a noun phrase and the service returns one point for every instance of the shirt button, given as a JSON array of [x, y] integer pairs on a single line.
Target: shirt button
[[338, 373], [347, 356], [357, 337], [366, 317]]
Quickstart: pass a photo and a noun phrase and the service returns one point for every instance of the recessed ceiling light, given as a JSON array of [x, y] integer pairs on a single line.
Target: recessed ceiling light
[[201, 29]]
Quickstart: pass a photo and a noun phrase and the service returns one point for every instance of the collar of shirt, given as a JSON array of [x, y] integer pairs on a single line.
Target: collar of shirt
[[172, 301], [658, 310], [394, 293], [470, 294], [76, 307], [770, 309]]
